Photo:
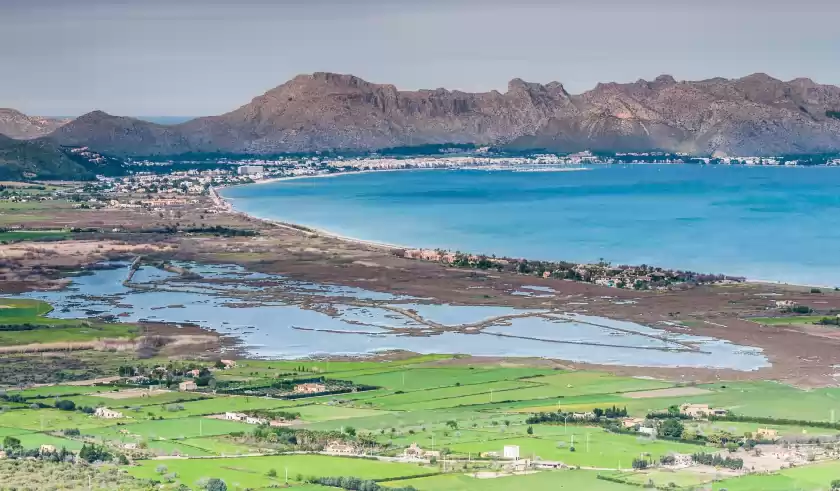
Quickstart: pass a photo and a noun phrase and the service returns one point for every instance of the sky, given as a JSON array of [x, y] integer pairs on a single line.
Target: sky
[[204, 57]]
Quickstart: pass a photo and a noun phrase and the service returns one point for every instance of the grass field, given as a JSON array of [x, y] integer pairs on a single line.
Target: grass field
[[663, 478], [168, 429], [252, 471], [25, 235], [50, 419], [606, 450], [24, 311], [787, 321], [571, 480], [809, 478]]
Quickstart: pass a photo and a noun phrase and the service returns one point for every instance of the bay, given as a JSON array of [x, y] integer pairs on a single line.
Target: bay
[[764, 223]]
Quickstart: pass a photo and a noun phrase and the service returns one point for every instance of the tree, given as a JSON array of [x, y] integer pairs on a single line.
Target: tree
[[640, 464], [161, 469], [271, 473], [530, 430], [452, 424], [215, 484], [835, 485], [11, 443], [350, 431], [671, 428], [65, 405]]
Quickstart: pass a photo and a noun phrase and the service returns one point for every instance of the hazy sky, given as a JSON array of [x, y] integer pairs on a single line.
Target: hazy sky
[[191, 57]]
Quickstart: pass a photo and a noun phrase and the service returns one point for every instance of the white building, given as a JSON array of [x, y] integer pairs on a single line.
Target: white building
[[511, 452], [104, 412], [249, 170]]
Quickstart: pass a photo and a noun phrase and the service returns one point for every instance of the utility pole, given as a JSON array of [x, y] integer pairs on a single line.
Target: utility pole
[[287, 475], [587, 443]]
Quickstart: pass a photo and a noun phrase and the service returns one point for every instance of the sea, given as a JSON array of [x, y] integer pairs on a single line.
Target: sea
[[779, 224]]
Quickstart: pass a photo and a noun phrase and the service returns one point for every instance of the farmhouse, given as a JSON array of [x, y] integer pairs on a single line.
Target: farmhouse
[[251, 420], [631, 422], [310, 388], [47, 449], [105, 413], [337, 447], [415, 452], [698, 411], [187, 385], [766, 434]]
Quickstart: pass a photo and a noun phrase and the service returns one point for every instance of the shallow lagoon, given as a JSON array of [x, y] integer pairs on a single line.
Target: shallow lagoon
[[276, 317]]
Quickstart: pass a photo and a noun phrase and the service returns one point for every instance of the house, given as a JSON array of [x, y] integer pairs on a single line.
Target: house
[[187, 385], [647, 431], [228, 363], [415, 452], [695, 410], [130, 446], [47, 449], [194, 372], [631, 422], [519, 465], [549, 464], [3, 454], [337, 447], [253, 420], [310, 388], [235, 416], [682, 460], [104, 412], [511, 452], [766, 434]]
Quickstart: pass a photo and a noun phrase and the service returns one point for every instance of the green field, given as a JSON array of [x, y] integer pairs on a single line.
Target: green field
[[470, 412], [571, 480], [605, 450], [25, 235], [48, 330], [252, 471], [50, 419], [787, 321], [168, 429], [809, 478]]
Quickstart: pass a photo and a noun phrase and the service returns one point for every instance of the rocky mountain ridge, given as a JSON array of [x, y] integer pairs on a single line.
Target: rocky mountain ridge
[[753, 115], [15, 124]]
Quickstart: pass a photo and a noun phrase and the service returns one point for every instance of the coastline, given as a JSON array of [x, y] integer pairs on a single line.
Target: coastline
[[227, 204]]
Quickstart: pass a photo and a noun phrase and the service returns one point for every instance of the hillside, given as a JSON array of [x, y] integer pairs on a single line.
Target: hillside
[[752, 115], [15, 124], [42, 159]]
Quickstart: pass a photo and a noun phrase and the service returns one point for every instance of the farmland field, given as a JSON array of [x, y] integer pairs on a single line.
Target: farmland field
[[568, 480], [252, 471], [470, 413]]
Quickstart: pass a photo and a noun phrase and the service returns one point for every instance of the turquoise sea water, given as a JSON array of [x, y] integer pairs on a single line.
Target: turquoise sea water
[[768, 223]]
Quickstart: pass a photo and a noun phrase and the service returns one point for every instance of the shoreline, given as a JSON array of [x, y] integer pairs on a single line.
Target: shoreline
[[227, 204]]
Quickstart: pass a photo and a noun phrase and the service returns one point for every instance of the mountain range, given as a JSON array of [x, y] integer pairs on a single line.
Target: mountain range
[[753, 115]]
